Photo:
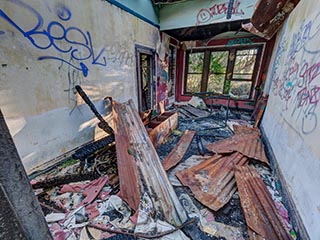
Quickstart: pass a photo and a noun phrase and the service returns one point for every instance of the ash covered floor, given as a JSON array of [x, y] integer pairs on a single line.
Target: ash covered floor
[[116, 214]]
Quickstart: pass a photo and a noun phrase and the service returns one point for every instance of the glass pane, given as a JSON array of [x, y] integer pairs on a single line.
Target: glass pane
[[145, 70], [244, 64], [196, 62], [194, 82], [242, 76], [240, 89], [218, 62], [215, 83]]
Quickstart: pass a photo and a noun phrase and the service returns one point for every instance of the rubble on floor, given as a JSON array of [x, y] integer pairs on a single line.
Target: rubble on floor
[[207, 179]]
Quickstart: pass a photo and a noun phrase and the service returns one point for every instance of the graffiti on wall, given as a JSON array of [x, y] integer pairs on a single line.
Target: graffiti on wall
[[63, 42], [298, 84], [205, 15], [240, 41]]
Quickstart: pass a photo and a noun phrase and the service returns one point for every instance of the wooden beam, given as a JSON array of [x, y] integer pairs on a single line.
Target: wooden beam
[[17, 192], [162, 127], [179, 150], [139, 164]]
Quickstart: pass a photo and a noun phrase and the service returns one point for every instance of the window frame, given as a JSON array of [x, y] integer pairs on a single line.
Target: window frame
[[230, 67]]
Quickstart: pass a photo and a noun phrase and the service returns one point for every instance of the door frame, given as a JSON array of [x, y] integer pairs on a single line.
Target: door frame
[[139, 49]]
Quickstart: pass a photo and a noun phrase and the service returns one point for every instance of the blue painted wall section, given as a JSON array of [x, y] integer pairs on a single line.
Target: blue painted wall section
[[143, 9]]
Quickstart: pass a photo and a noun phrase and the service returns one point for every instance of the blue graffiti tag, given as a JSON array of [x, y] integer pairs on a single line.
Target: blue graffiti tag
[[75, 44]]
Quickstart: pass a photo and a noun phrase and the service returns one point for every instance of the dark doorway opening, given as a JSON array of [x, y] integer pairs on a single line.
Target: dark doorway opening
[[145, 74]]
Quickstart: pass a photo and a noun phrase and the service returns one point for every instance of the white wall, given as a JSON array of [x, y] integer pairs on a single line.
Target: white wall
[[203, 12], [292, 117], [49, 46]]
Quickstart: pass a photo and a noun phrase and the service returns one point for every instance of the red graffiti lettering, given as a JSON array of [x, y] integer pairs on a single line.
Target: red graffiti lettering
[[205, 15]]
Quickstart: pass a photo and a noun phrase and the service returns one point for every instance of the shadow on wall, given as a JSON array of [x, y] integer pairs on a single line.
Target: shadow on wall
[[76, 46]]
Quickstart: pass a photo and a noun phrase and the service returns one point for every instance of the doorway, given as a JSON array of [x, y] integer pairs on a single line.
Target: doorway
[[145, 58]]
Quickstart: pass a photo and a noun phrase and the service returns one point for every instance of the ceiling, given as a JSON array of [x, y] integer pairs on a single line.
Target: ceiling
[[206, 31], [157, 2]]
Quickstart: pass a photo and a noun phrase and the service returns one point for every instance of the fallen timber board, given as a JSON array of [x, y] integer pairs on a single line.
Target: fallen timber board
[[184, 113], [162, 127], [179, 150], [127, 170], [212, 181], [260, 213], [139, 166], [194, 111]]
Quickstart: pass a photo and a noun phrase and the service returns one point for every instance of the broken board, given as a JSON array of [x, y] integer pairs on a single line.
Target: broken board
[[161, 127], [139, 166], [179, 150]]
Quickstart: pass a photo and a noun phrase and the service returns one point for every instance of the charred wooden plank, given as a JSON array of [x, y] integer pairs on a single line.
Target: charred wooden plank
[[60, 180], [139, 166], [194, 111], [179, 150], [162, 127], [212, 181], [260, 213], [90, 148], [102, 124]]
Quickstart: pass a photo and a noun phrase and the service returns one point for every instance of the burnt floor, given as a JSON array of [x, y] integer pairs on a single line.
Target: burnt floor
[[208, 129]]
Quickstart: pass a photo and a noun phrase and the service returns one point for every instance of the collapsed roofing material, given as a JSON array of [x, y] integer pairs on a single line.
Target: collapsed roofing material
[[139, 166], [269, 16], [249, 145], [260, 212], [179, 150], [212, 181], [243, 129]]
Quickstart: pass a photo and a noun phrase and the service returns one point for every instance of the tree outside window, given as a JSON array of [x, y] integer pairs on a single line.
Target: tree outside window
[[225, 71]]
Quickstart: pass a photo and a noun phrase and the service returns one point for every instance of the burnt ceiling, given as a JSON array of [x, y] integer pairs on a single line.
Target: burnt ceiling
[[205, 32]]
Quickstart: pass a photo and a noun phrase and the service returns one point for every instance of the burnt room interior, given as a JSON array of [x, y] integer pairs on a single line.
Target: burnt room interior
[[159, 119]]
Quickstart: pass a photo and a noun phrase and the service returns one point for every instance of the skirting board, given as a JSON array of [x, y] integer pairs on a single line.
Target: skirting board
[[294, 215]]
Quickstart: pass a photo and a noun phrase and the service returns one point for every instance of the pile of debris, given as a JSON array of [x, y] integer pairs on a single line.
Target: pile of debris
[[118, 187]]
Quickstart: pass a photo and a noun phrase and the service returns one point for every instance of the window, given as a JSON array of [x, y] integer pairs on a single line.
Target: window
[[217, 71], [230, 71], [195, 69]]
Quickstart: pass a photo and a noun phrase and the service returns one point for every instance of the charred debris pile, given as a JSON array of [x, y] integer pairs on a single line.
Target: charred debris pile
[[183, 174]]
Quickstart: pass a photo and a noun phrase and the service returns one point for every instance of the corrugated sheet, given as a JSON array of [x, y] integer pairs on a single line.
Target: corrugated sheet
[[249, 145], [261, 215], [242, 129], [139, 164], [212, 181], [179, 150]]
